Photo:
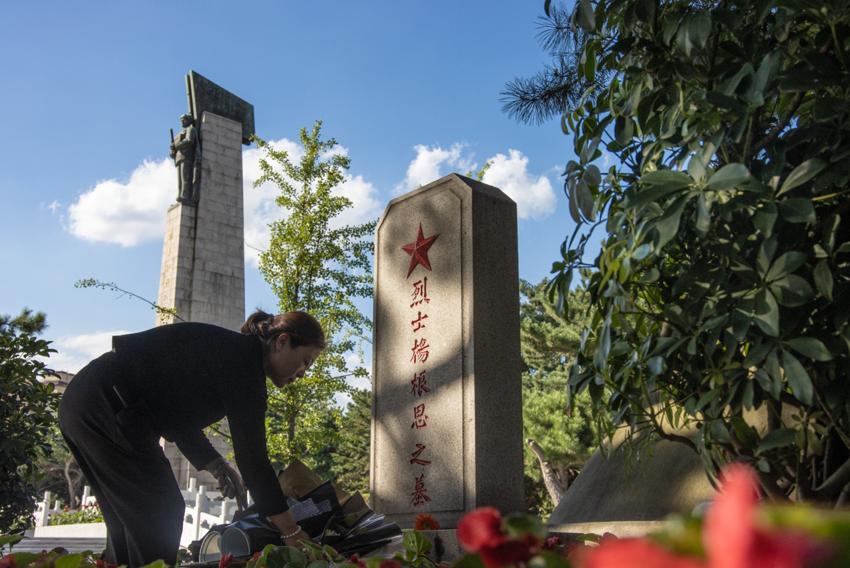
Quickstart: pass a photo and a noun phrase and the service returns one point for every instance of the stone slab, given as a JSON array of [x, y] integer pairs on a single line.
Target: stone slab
[[447, 408], [671, 480]]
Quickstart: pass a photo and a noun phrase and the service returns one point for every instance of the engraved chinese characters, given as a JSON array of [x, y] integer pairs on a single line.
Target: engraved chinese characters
[[418, 251], [419, 432]]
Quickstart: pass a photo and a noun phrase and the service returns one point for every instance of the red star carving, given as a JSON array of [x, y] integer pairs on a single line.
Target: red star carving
[[418, 250]]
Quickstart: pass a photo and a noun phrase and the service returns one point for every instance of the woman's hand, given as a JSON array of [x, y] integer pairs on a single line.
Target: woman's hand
[[294, 542], [229, 481], [285, 523]]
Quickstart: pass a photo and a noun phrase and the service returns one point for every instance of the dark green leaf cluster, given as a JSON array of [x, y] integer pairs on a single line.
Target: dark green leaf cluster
[[318, 267], [722, 286], [27, 410], [351, 460]]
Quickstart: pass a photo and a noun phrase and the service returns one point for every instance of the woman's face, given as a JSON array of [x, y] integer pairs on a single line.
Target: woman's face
[[283, 364]]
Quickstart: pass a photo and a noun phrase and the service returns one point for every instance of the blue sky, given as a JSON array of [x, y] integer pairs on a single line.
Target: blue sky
[[410, 90]]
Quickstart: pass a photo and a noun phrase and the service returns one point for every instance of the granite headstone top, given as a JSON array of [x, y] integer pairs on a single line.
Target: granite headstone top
[[447, 415]]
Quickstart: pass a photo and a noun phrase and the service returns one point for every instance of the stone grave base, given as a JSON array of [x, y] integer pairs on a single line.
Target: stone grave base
[[621, 529]]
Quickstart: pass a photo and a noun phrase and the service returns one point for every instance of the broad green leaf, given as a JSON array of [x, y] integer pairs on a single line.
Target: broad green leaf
[[469, 561], [683, 38], [778, 438], [798, 378], [12, 538], [641, 252], [729, 176], [802, 173], [592, 175], [416, 542], [551, 559], [283, 556], [23, 559], [792, 291], [585, 200], [729, 86], [766, 218], [585, 17], [786, 264], [828, 108], [744, 431], [651, 194], [68, 561], [703, 218], [768, 68], [645, 10], [668, 225], [650, 275], [699, 28], [823, 279], [798, 210], [767, 313], [574, 212], [520, 525], [811, 348], [667, 177], [318, 564], [624, 130]]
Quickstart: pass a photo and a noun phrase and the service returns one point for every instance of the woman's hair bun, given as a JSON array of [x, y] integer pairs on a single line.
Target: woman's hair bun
[[301, 327]]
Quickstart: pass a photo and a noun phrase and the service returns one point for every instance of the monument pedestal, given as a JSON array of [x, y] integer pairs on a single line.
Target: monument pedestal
[[446, 390]]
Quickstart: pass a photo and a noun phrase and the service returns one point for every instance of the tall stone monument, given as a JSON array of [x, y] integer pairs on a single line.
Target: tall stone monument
[[203, 254], [446, 393]]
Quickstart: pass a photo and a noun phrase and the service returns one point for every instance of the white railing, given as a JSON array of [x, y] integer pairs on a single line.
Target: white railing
[[203, 510]]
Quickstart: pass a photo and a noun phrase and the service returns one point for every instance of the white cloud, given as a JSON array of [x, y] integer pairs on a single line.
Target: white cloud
[[75, 351], [533, 195], [126, 213], [54, 206], [261, 209], [427, 164]]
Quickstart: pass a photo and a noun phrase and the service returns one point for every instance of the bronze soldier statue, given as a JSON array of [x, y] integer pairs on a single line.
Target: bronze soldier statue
[[184, 149]]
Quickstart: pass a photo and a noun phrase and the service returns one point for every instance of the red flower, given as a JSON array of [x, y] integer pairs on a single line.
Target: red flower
[[226, 561], [511, 552], [389, 564], [552, 543], [256, 556], [8, 562], [631, 553], [481, 531], [355, 560], [425, 522], [482, 528], [734, 540]]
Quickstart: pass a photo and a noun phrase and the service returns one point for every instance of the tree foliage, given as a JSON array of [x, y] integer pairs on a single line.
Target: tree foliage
[[314, 267], [351, 460], [722, 285], [27, 410], [550, 341], [551, 91]]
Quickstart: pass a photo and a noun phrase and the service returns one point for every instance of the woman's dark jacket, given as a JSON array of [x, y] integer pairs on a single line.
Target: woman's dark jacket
[[192, 375]]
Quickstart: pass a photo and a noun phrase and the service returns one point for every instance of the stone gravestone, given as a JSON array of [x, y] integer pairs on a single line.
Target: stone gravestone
[[203, 260], [446, 391]]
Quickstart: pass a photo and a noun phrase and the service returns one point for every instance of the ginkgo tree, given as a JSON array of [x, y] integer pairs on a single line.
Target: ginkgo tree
[[721, 288], [320, 269]]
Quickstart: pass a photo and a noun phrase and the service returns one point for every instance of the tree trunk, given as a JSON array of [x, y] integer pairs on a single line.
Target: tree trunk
[[72, 494], [550, 478]]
